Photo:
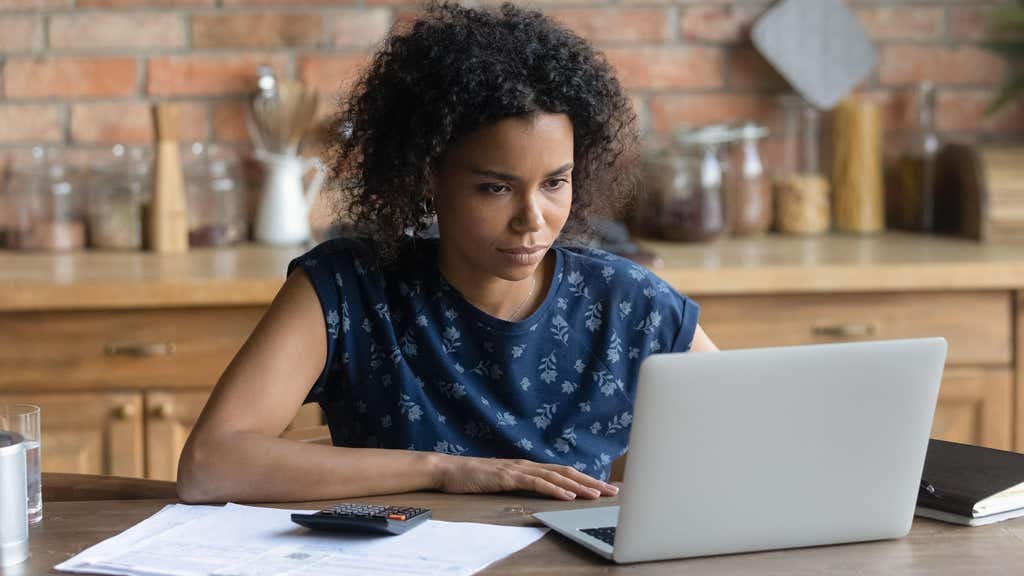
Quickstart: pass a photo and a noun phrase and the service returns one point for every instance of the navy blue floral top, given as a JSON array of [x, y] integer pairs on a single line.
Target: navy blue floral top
[[412, 364]]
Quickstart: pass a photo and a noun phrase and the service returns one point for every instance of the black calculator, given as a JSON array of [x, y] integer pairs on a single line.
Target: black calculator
[[364, 518]]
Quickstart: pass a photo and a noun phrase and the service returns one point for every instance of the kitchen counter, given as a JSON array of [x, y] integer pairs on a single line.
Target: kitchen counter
[[252, 275]]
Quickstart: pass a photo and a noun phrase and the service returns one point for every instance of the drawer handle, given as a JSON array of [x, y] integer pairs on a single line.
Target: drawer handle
[[845, 330], [124, 411], [163, 411], [135, 350]]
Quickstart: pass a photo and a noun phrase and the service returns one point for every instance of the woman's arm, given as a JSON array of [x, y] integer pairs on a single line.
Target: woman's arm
[[701, 342], [234, 452]]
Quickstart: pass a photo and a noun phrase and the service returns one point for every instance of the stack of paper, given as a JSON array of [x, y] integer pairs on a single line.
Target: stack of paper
[[239, 540]]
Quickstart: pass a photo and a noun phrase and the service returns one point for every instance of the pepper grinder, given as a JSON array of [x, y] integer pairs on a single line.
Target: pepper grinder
[[167, 219]]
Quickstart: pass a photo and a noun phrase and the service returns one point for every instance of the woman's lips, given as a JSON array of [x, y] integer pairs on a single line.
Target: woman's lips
[[523, 255]]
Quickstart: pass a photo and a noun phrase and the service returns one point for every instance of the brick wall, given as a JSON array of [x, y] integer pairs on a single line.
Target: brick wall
[[81, 72]]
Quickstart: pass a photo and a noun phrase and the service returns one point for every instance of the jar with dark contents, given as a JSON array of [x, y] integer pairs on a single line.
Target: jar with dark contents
[[685, 184], [748, 189], [216, 197], [44, 198]]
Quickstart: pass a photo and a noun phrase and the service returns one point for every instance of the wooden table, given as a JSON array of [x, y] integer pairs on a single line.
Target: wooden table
[[70, 526]]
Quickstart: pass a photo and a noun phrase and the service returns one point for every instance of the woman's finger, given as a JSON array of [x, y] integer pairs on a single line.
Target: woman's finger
[[541, 486], [584, 479], [558, 479]]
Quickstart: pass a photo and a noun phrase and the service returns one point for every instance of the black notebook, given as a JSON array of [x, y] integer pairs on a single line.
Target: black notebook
[[970, 485]]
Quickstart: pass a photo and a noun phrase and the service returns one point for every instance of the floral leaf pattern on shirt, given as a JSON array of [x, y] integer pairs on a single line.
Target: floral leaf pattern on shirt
[[429, 371]]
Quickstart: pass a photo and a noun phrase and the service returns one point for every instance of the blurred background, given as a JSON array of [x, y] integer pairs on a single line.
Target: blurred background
[[812, 171]]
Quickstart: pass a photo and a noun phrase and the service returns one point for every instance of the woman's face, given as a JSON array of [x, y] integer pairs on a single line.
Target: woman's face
[[503, 194]]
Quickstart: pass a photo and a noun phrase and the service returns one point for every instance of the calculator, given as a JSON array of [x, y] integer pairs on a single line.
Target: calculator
[[364, 518]]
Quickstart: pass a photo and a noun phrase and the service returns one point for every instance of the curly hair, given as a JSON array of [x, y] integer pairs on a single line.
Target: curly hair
[[455, 70]]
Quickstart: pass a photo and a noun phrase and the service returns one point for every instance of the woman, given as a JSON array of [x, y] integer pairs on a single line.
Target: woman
[[488, 359]]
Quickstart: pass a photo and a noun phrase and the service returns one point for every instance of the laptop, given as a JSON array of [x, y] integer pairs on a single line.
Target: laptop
[[769, 448]]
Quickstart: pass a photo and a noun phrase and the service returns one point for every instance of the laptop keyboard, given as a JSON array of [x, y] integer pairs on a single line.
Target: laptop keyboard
[[606, 535]]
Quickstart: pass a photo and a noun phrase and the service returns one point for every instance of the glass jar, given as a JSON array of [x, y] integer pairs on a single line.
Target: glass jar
[[911, 195], [216, 197], [44, 198], [748, 191], [802, 204], [119, 188], [685, 201]]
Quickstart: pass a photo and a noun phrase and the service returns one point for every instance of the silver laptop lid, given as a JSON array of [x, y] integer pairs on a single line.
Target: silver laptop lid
[[770, 448]]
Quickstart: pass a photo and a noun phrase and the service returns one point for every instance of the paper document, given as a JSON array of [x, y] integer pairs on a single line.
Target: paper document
[[236, 540]]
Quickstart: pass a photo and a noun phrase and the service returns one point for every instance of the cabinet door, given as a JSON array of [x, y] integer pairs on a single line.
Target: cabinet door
[[170, 416], [94, 433], [975, 407]]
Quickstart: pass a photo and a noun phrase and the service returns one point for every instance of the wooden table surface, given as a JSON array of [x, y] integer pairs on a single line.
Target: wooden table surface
[[69, 527], [252, 274]]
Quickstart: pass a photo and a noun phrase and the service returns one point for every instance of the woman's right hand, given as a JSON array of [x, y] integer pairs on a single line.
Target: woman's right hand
[[468, 475]]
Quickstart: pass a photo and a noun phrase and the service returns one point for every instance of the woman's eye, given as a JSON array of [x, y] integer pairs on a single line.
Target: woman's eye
[[494, 188]]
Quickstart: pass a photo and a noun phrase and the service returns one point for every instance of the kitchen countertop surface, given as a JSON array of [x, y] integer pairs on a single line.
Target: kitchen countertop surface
[[252, 275]]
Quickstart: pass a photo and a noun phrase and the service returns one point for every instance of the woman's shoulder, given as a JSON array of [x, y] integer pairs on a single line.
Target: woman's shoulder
[[616, 272]]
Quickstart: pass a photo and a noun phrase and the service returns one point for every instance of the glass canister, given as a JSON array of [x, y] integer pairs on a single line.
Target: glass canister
[[119, 188], [685, 198], [216, 195], [748, 191], [44, 198], [802, 203]]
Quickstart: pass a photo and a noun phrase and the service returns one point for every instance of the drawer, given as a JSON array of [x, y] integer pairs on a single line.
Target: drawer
[[978, 325], [121, 349]]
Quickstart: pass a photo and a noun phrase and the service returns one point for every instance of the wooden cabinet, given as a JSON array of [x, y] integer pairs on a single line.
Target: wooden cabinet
[[120, 390], [89, 432], [170, 416], [976, 397]]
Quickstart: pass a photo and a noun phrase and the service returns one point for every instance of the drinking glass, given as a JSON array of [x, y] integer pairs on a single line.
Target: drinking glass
[[24, 419]]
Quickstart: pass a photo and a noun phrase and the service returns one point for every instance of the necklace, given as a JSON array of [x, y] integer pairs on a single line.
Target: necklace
[[533, 284]]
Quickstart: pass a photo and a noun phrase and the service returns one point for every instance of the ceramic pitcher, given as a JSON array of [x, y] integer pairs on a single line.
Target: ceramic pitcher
[[282, 214]]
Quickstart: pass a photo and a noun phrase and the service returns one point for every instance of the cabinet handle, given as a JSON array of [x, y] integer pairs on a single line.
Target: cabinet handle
[[124, 411], [845, 330], [163, 411], [138, 350]]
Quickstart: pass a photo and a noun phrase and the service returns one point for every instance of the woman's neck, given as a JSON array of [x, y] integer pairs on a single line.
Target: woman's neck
[[505, 299]]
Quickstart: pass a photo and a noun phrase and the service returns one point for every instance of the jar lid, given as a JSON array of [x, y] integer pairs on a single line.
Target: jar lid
[[750, 131], [707, 135]]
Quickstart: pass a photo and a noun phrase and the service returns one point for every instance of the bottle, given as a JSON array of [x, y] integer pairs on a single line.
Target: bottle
[[911, 194]]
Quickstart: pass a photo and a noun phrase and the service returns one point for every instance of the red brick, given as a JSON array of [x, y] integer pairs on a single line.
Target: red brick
[[748, 70], [142, 3], [287, 2], [332, 74], [229, 122], [209, 74], [718, 23], [668, 67], [901, 65], [615, 24], [256, 30], [30, 123], [20, 34], [361, 28], [669, 111], [106, 30], [64, 77], [974, 23], [965, 111], [903, 22], [130, 122], [33, 4]]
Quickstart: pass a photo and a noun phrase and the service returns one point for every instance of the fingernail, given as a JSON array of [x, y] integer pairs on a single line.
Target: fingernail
[[614, 488], [569, 495]]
